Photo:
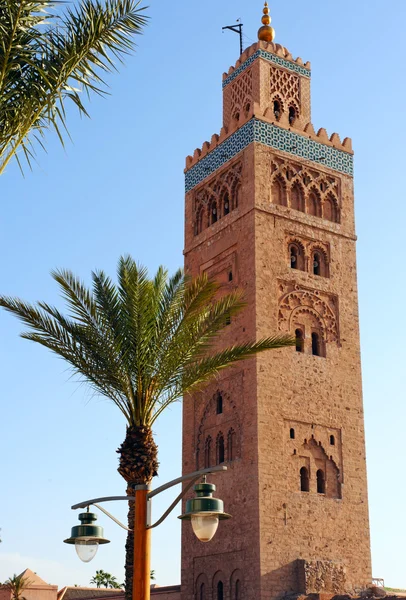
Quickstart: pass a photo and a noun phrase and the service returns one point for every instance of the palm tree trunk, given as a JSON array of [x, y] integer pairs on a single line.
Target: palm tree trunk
[[138, 465]]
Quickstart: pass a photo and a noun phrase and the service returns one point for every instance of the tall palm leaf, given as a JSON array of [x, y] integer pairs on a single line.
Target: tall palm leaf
[[143, 344], [47, 58]]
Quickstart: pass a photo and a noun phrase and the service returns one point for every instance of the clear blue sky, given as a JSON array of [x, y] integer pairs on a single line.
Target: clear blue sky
[[119, 189]]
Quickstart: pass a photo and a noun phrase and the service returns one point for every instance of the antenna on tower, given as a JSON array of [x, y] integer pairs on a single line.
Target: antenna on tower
[[237, 28]]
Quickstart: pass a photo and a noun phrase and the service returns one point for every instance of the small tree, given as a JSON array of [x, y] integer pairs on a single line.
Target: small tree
[[17, 584], [105, 579]]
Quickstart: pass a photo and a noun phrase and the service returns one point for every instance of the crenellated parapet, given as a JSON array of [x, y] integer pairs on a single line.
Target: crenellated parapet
[[271, 52], [253, 126]]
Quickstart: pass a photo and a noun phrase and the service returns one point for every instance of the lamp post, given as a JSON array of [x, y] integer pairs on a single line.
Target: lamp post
[[204, 512]]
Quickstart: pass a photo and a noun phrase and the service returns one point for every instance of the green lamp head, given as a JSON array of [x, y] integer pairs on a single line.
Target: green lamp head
[[204, 512], [87, 536]]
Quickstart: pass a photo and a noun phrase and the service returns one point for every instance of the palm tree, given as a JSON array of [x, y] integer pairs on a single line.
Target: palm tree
[[17, 584], [143, 344], [46, 59], [106, 579]]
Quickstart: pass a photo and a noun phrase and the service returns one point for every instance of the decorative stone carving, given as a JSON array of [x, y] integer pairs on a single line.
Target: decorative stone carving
[[322, 193], [285, 83], [317, 576], [217, 198], [212, 425], [319, 306]]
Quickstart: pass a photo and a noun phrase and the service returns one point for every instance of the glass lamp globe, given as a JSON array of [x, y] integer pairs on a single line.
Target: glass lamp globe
[[86, 549], [87, 537], [204, 512], [204, 526]]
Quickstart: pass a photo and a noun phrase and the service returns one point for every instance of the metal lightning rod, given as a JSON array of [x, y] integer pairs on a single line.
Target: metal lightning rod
[[237, 29]]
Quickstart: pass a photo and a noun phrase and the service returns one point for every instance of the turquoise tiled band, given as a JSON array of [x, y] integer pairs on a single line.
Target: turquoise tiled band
[[272, 58], [274, 137]]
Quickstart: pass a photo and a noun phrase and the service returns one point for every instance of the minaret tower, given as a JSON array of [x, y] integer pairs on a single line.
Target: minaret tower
[[270, 208]]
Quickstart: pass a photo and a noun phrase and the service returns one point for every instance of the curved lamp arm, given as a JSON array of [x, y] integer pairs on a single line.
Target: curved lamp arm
[[191, 478]]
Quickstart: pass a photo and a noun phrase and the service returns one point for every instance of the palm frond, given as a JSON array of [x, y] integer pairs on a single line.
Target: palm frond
[[48, 59], [141, 343]]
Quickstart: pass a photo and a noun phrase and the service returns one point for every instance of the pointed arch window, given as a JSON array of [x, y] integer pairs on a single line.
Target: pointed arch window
[[220, 449], [292, 115], [226, 204], [321, 482], [296, 257], [330, 210], [231, 444], [202, 592], [237, 594], [299, 340], [314, 207], [297, 198], [199, 221], [220, 591], [278, 192], [304, 480], [316, 264], [219, 404], [277, 109], [316, 344], [213, 217]]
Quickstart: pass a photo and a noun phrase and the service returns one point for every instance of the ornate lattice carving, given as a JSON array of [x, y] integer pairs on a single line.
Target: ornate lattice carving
[[286, 84], [322, 193], [297, 303], [217, 198], [238, 100]]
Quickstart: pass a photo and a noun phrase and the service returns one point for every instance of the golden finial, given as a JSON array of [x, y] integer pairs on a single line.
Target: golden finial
[[266, 33]]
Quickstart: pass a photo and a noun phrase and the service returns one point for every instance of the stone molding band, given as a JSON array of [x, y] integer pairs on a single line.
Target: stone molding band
[[274, 137]]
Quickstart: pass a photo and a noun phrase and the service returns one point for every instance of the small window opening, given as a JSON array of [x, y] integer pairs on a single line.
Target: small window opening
[[299, 340], [321, 482], [237, 116], [304, 480], [230, 276], [247, 108], [293, 258], [288, 175], [202, 594], [237, 590], [219, 408], [323, 186], [316, 350], [292, 434], [292, 115], [220, 591], [332, 440], [317, 264], [226, 205], [220, 450], [214, 214], [277, 109]]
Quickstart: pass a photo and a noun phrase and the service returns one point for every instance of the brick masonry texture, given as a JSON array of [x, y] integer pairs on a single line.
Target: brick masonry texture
[[291, 412]]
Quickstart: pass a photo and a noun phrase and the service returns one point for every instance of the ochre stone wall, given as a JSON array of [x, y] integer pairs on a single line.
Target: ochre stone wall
[[296, 481]]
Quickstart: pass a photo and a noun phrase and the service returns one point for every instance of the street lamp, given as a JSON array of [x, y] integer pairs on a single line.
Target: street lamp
[[87, 537], [203, 511]]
